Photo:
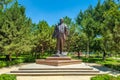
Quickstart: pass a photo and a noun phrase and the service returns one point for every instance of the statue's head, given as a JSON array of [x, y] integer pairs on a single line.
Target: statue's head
[[61, 20]]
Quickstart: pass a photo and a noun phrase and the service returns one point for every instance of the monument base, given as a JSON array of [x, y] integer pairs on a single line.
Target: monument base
[[57, 61]]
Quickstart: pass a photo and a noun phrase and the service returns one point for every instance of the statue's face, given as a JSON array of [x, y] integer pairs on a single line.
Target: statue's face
[[61, 21]]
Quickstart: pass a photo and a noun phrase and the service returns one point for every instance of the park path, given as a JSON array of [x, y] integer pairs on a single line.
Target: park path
[[104, 69], [8, 69], [54, 78]]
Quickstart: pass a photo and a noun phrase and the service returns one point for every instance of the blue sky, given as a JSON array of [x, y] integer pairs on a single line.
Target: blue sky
[[52, 10]]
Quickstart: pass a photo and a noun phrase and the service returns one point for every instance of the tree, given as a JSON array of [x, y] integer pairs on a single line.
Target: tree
[[87, 25], [15, 31], [5, 3], [112, 22], [99, 24], [43, 37]]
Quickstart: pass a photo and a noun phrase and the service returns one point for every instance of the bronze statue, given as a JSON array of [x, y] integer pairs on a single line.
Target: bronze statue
[[60, 33]]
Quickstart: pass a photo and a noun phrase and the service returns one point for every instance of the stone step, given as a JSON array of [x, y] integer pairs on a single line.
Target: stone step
[[56, 68], [57, 62], [55, 71], [56, 74]]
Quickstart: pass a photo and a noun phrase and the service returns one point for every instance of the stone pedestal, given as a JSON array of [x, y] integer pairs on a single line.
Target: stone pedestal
[[57, 61]]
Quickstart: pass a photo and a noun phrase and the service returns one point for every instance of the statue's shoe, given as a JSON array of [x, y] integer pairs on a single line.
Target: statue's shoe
[[64, 53], [57, 55]]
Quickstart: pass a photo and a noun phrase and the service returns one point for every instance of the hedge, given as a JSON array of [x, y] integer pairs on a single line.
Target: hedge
[[7, 77], [105, 77]]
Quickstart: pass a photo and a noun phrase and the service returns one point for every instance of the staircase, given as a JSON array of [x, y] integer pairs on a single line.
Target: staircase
[[44, 70], [56, 66]]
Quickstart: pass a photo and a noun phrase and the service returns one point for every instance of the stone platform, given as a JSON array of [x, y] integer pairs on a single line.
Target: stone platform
[[47, 70], [56, 66], [57, 61]]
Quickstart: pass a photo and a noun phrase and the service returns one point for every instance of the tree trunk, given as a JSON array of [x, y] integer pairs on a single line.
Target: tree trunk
[[88, 50], [78, 55], [8, 57], [104, 55], [17, 54], [37, 55], [42, 51]]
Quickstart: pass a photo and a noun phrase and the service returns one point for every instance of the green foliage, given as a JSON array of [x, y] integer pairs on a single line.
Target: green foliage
[[105, 77], [45, 55], [7, 77], [20, 43], [43, 37], [99, 25], [111, 63], [113, 66], [97, 29], [10, 63], [15, 31], [29, 59], [91, 59], [2, 64]]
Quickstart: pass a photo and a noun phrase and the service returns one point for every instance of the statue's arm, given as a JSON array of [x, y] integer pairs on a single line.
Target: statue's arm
[[55, 32], [66, 30]]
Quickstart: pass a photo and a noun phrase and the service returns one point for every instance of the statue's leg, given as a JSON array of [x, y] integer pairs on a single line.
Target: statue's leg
[[62, 45], [58, 46]]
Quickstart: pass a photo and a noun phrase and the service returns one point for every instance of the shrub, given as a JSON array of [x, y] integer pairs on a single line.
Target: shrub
[[7, 77], [19, 61], [10, 63], [105, 77], [113, 66], [2, 64], [101, 77], [29, 59], [118, 78]]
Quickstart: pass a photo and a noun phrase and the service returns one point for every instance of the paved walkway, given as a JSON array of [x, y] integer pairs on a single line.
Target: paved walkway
[[54, 78], [99, 67], [104, 69], [8, 69]]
